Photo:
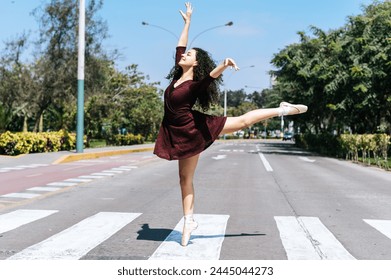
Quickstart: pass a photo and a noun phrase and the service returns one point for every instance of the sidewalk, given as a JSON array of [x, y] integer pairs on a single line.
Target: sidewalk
[[68, 156]]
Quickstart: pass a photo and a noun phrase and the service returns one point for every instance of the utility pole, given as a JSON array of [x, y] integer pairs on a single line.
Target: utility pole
[[80, 79]]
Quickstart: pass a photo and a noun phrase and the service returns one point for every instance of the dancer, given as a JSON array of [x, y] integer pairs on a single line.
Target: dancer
[[185, 133]]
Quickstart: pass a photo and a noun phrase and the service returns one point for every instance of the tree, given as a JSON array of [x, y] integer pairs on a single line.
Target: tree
[[57, 61], [343, 75]]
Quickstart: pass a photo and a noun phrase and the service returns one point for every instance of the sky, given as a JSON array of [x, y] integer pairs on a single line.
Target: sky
[[261, 28]]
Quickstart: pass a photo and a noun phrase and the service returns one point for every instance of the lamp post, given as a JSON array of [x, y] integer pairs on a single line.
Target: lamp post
[[225, 92], [160, 27], [230, 23], [80, 79]]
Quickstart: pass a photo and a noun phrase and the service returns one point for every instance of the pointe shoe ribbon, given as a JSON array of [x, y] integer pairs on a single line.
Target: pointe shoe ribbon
[[292, 109]]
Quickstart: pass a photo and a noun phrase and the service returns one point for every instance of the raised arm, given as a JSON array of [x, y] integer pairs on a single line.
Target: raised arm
[[185, 32], [228, 62]]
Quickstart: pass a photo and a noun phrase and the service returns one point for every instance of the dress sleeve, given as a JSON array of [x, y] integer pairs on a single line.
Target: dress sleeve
[[178, 54]]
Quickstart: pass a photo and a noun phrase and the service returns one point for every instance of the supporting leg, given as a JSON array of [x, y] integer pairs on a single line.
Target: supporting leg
[[186, 174]]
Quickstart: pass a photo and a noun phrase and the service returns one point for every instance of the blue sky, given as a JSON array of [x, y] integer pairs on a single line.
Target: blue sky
[[261, 28]]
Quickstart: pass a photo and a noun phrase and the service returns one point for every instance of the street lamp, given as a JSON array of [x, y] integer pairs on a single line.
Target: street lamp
[[162, 28], [80, 79], [225, 91], [230, 23]]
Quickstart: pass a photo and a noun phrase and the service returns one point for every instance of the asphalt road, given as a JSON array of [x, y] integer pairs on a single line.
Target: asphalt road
[[254, 200]]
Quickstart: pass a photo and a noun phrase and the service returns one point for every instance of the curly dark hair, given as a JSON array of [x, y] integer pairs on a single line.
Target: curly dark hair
[[204, 67]]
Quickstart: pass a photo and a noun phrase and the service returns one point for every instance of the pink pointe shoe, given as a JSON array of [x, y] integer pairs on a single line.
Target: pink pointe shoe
[[188, 227], [291, 109]]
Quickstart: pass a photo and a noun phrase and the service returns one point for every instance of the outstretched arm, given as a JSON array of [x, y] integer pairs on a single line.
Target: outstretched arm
[[228, 62], [185, 32]]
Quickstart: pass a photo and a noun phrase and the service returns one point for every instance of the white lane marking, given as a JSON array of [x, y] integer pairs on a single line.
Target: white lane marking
[[218, 157], [103, 174], [44, 189], [21, 217], [3, 171], [78, 240], [112, 171], [306, 238], [224, 150], [133, 166], [20, 195], [91, 177], [62, 184], [121, 169], [205, 242], [38, 165], [306, 159], [78, 180], [384, 226], [266, 164], [12, 168]]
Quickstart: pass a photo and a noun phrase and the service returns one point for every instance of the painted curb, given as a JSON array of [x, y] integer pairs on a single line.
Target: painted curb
[[82, 156]]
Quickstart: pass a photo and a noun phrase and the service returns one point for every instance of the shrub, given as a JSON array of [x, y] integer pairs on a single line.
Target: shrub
[[351, 146], [29, 142]]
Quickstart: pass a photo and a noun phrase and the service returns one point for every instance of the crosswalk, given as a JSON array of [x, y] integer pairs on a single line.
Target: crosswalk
[[303, 238], [38, 191]]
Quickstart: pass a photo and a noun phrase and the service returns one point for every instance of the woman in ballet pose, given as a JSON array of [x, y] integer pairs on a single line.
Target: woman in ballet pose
[[185, 133]]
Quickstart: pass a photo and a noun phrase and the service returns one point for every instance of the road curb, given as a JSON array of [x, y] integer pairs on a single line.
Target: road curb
[[76, 157]]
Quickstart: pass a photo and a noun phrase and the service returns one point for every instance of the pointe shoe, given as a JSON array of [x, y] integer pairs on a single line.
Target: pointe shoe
[[292, 109], [188, 228]]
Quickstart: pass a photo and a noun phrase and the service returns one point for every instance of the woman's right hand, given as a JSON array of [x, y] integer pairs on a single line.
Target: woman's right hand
[[189, 10]]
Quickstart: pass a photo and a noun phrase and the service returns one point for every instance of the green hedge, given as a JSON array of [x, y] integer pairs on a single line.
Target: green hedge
[[29, 142], [355, 147], [124, 140]]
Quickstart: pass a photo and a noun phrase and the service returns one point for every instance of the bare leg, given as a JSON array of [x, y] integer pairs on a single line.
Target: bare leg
[[186, 174], [237, 123]]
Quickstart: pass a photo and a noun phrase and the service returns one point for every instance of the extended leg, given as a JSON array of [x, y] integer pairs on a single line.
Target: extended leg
[[237, 123]]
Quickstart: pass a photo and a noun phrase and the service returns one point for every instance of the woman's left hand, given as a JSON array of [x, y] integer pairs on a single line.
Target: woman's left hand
[[189, 10], [230, 62]]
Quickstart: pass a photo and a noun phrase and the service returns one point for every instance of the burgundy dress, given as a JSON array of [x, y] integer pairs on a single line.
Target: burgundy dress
[[185, 132]]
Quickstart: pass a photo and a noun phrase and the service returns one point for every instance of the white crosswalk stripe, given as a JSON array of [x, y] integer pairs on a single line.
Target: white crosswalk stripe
[[303, 238], [205, 242], [19, 218], [20, 195], [306, 238], [76, 241], [62, 184], [384, 226], [44, 189]]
